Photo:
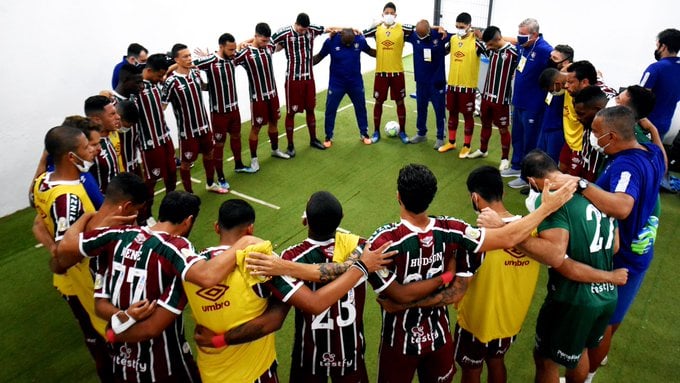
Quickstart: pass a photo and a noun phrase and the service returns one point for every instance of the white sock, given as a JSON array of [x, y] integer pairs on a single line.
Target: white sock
[[589, 378]]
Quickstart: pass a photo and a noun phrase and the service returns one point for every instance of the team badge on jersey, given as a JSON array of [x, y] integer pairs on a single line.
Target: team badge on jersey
[[140, 238]]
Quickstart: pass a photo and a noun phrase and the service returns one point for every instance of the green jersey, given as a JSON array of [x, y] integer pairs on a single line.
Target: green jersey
[[591, 241]]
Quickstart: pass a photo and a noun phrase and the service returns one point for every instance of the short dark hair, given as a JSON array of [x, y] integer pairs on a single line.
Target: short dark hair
[[490, 33], [84, 124], [127, 187], [176, 49], [135, 50], [156, 62], [61, 140], [263, 29], [670, 38], [95, 105], [324, 213], [128, 111], [487, 182], [178, 206], [537, 164], [390, 5], [584, 70], [302, 20], [591, 96], [464, 18], [127, 71], [566, 50], [620, 119], [235, 213], [417, 186], [226, 38], [642, 101], [547, 78]]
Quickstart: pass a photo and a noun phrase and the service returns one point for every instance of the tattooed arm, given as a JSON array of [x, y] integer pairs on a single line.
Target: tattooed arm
[[450, 295], [264, 265]]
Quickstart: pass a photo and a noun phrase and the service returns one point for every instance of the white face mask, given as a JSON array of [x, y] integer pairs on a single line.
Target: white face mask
[[461, 32], [86, 165], [594, 142], [558, 93], [388, 19], [530, 202]]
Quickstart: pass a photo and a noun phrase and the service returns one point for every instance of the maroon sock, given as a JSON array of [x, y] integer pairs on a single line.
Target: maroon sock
[[401, 116], [311, 125], [186, 179], [290, 126]]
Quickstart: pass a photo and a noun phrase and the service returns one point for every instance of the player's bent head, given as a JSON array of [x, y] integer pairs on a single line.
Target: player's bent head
[[61, 140], [235, 213], [177, 206], [537, 164], [95, 105], [302, 20], [547, 78], [127, 189], [157, 62], [263, 30], [487, 182], [128, 111], [417, 186], [583, 70], [464, 18], [641, 100], [226, 38], [671, 39], [619, 119], [324, 213], [491, 33]]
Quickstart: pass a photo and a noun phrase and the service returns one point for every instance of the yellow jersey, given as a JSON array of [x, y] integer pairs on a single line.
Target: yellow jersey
[[59, 204], [389, 42], [573, 129], [464, 68]]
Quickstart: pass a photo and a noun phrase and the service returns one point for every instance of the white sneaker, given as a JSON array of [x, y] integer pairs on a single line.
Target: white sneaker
[[478, 153], [278, 153], [216, 188], [510, 172], [518, 183], [254, 164], [505, 164]]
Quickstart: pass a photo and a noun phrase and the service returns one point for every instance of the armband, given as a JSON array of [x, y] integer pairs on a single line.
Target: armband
[[447, 277], [218, 341]]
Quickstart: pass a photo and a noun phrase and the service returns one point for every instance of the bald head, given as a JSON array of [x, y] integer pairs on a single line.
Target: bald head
[[347, 36], [422, 28], [620, 119]]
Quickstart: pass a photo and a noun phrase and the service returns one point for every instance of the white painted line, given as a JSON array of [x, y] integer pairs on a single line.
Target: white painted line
[[38, 245], [261, 202], [161, 190], [346, 107], [196, 181]]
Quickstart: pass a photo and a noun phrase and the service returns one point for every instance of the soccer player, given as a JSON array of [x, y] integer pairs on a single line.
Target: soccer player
[[345, 78], [256, 59], [297, 41], [551, 137], [224, 111], [577, 308], [129, 85], [587, 103], [158, 151], [495, 107], [101, 111], [626, 190], [389, 69], [462, 82], [183, 89], [429, 50], [136, 55], [419, 338], [60, 199]]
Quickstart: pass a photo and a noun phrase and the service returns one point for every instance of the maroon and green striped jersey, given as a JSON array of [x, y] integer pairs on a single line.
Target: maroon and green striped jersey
[[221, 82], [105, 164], [184, 93], [422, 254], [152, 129], [129, 138], [502, 64], [299, 48], [258, 65], [333, 341], [142, 264]]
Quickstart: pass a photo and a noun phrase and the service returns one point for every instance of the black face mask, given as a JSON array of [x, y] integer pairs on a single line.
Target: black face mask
[[657, 55], [475, 207], [553, 64]]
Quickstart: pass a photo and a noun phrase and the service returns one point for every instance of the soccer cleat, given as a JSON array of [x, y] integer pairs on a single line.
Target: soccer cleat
[[365, 139], [245, 169], [254, 164], [290, 152], [315, 143], [438, 144], [328, 143], [278, 153], [446, 147], [510, 172], [505, 164], [223, 184], [464, 152], [478, 153], [518, 183], [404, 138], [216, 188], [418, 139], [376, 137]]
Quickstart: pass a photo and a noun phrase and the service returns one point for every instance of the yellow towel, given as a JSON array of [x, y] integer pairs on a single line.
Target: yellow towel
[[345, 244], [264, 247]]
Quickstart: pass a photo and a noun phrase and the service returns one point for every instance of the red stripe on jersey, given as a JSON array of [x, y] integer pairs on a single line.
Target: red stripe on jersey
[[152, 129]]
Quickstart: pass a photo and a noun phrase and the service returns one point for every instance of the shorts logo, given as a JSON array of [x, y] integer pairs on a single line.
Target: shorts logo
[[156, 172], [218, 136], [259, 120], [213, 293], [189, 155], [376, 94], [295, 108]]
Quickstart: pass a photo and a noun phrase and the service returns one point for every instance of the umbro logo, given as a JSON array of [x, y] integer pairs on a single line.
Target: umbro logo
[[213, 293]]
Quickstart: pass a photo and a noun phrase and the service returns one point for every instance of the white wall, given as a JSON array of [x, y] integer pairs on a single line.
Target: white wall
[[57, 53]]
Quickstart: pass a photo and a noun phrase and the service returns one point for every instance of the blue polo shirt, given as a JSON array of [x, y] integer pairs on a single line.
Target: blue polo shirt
[[527, 94], [663, 78], [433, 71], [552, 117], [345, 70]]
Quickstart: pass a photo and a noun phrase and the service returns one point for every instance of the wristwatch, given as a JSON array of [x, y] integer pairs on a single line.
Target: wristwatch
[[582, 185]]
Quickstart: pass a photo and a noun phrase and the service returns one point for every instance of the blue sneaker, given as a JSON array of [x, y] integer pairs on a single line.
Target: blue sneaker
[[245, 169], [376, 137], [404, 138], [224, 184]]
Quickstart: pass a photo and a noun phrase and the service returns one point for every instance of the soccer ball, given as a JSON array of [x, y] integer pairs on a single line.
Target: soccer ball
[[391, 128]]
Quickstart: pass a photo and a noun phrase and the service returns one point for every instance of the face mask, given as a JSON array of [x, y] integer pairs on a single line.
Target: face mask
[[558, 93], [461, 32], [475, 207], [657, 55], [523, 39], [594, 142], [388, 19], [85, 166], [530, 202]]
